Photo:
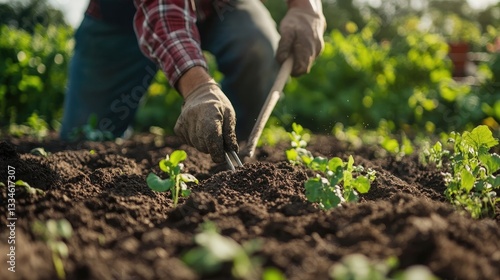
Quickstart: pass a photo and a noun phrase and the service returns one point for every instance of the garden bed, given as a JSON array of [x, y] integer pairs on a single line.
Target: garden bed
[[123, 230]]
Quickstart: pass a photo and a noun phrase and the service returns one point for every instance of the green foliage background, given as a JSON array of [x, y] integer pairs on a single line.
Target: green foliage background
[[377, 66], [33, 72]]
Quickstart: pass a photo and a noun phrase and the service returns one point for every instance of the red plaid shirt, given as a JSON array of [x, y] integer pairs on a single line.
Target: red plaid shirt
[[167, 32]]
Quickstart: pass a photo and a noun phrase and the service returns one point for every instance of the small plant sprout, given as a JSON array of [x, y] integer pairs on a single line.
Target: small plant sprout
[[91, 131], [298, 140], [214, 250], [472, 180], [357, 266], [39, 152], [53, 232], [324, 187], [176, 183], [327, 192], [30, 190]]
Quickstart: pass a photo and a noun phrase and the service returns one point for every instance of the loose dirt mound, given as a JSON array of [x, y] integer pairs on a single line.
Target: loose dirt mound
[[123, 230]]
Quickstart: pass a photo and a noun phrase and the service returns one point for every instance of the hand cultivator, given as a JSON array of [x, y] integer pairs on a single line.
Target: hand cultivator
[[267, 109]]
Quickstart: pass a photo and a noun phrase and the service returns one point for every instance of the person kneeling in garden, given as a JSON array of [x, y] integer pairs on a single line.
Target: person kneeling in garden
[[120, 44]]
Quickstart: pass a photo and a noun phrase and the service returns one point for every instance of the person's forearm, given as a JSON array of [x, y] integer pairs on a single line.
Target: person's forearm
[[167, 34]]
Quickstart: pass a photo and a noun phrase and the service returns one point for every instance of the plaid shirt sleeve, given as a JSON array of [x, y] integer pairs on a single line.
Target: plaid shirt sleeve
[[167, 33]]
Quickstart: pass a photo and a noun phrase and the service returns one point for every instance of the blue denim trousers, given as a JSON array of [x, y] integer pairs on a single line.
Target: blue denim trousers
[[108, 74]]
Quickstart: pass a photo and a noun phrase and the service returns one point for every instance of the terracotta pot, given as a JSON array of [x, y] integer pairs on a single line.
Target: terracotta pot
[[458, 54]]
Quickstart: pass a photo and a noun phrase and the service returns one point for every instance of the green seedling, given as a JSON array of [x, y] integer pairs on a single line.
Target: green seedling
[[359, 267], [272, 273], [472, 179], [326, 190], [298, 139], [39, 152], [357, 137], [176, 183], [53, 233], [30, 190], [91, 132], [214, 250], [34, 126], [324, 187]]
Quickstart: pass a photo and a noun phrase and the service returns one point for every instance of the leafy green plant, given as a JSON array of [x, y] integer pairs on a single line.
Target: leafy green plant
[[176, 183], [298, 139], [53, 233], [33, 74], [39, 152], [324, 188], [359, 267], [472, 180], [272, 273], [90, 131], [29, 189], [357, 78], [214, 250], [356, 136], [35, 126], [273, 133]]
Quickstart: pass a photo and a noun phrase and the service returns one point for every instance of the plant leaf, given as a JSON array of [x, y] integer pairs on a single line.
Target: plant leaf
[[185, 193], [491, 161], [467, 180], [319, 163], [480, 136], [177, 157], [201, 260], [361, 184], [220, 247], [335, 163], [352, 196], [291, 154], [188, 178], [350, 164], [64, 228], [494, 181], [165, 165], [272, 273], [390, 145], [330, 200], [297, 128], [313, 188], [157, 184]]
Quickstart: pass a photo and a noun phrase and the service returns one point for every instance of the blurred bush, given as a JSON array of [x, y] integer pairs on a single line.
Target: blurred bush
[[33, 72], [359, 81], [27, 14]]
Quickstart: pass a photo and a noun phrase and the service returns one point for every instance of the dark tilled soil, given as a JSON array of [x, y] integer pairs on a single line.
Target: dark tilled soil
[[123, 230]]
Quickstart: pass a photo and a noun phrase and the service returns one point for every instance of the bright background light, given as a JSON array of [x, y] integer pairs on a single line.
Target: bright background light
[[74, 9]]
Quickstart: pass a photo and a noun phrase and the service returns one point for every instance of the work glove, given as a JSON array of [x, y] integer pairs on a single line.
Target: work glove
[[207, 121], [301, 38]]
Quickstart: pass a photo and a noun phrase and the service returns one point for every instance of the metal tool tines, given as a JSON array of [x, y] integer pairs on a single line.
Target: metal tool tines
[[231, 157]]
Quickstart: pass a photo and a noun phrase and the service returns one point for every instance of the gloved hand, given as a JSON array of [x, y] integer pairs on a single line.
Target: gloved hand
[[207, 121], [302, 38]]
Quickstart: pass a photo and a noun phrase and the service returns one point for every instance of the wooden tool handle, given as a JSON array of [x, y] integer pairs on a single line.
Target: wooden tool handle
[[267, 109]]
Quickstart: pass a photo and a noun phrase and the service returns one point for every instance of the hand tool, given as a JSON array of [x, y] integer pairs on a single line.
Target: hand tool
[[230, 157], [267, 108]]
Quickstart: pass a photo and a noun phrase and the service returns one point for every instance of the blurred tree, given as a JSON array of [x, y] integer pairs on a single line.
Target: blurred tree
[[26, 14], [339, 12], [489, 16]]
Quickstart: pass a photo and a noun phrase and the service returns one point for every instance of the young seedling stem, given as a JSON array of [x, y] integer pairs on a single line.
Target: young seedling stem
[[176, 183]]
